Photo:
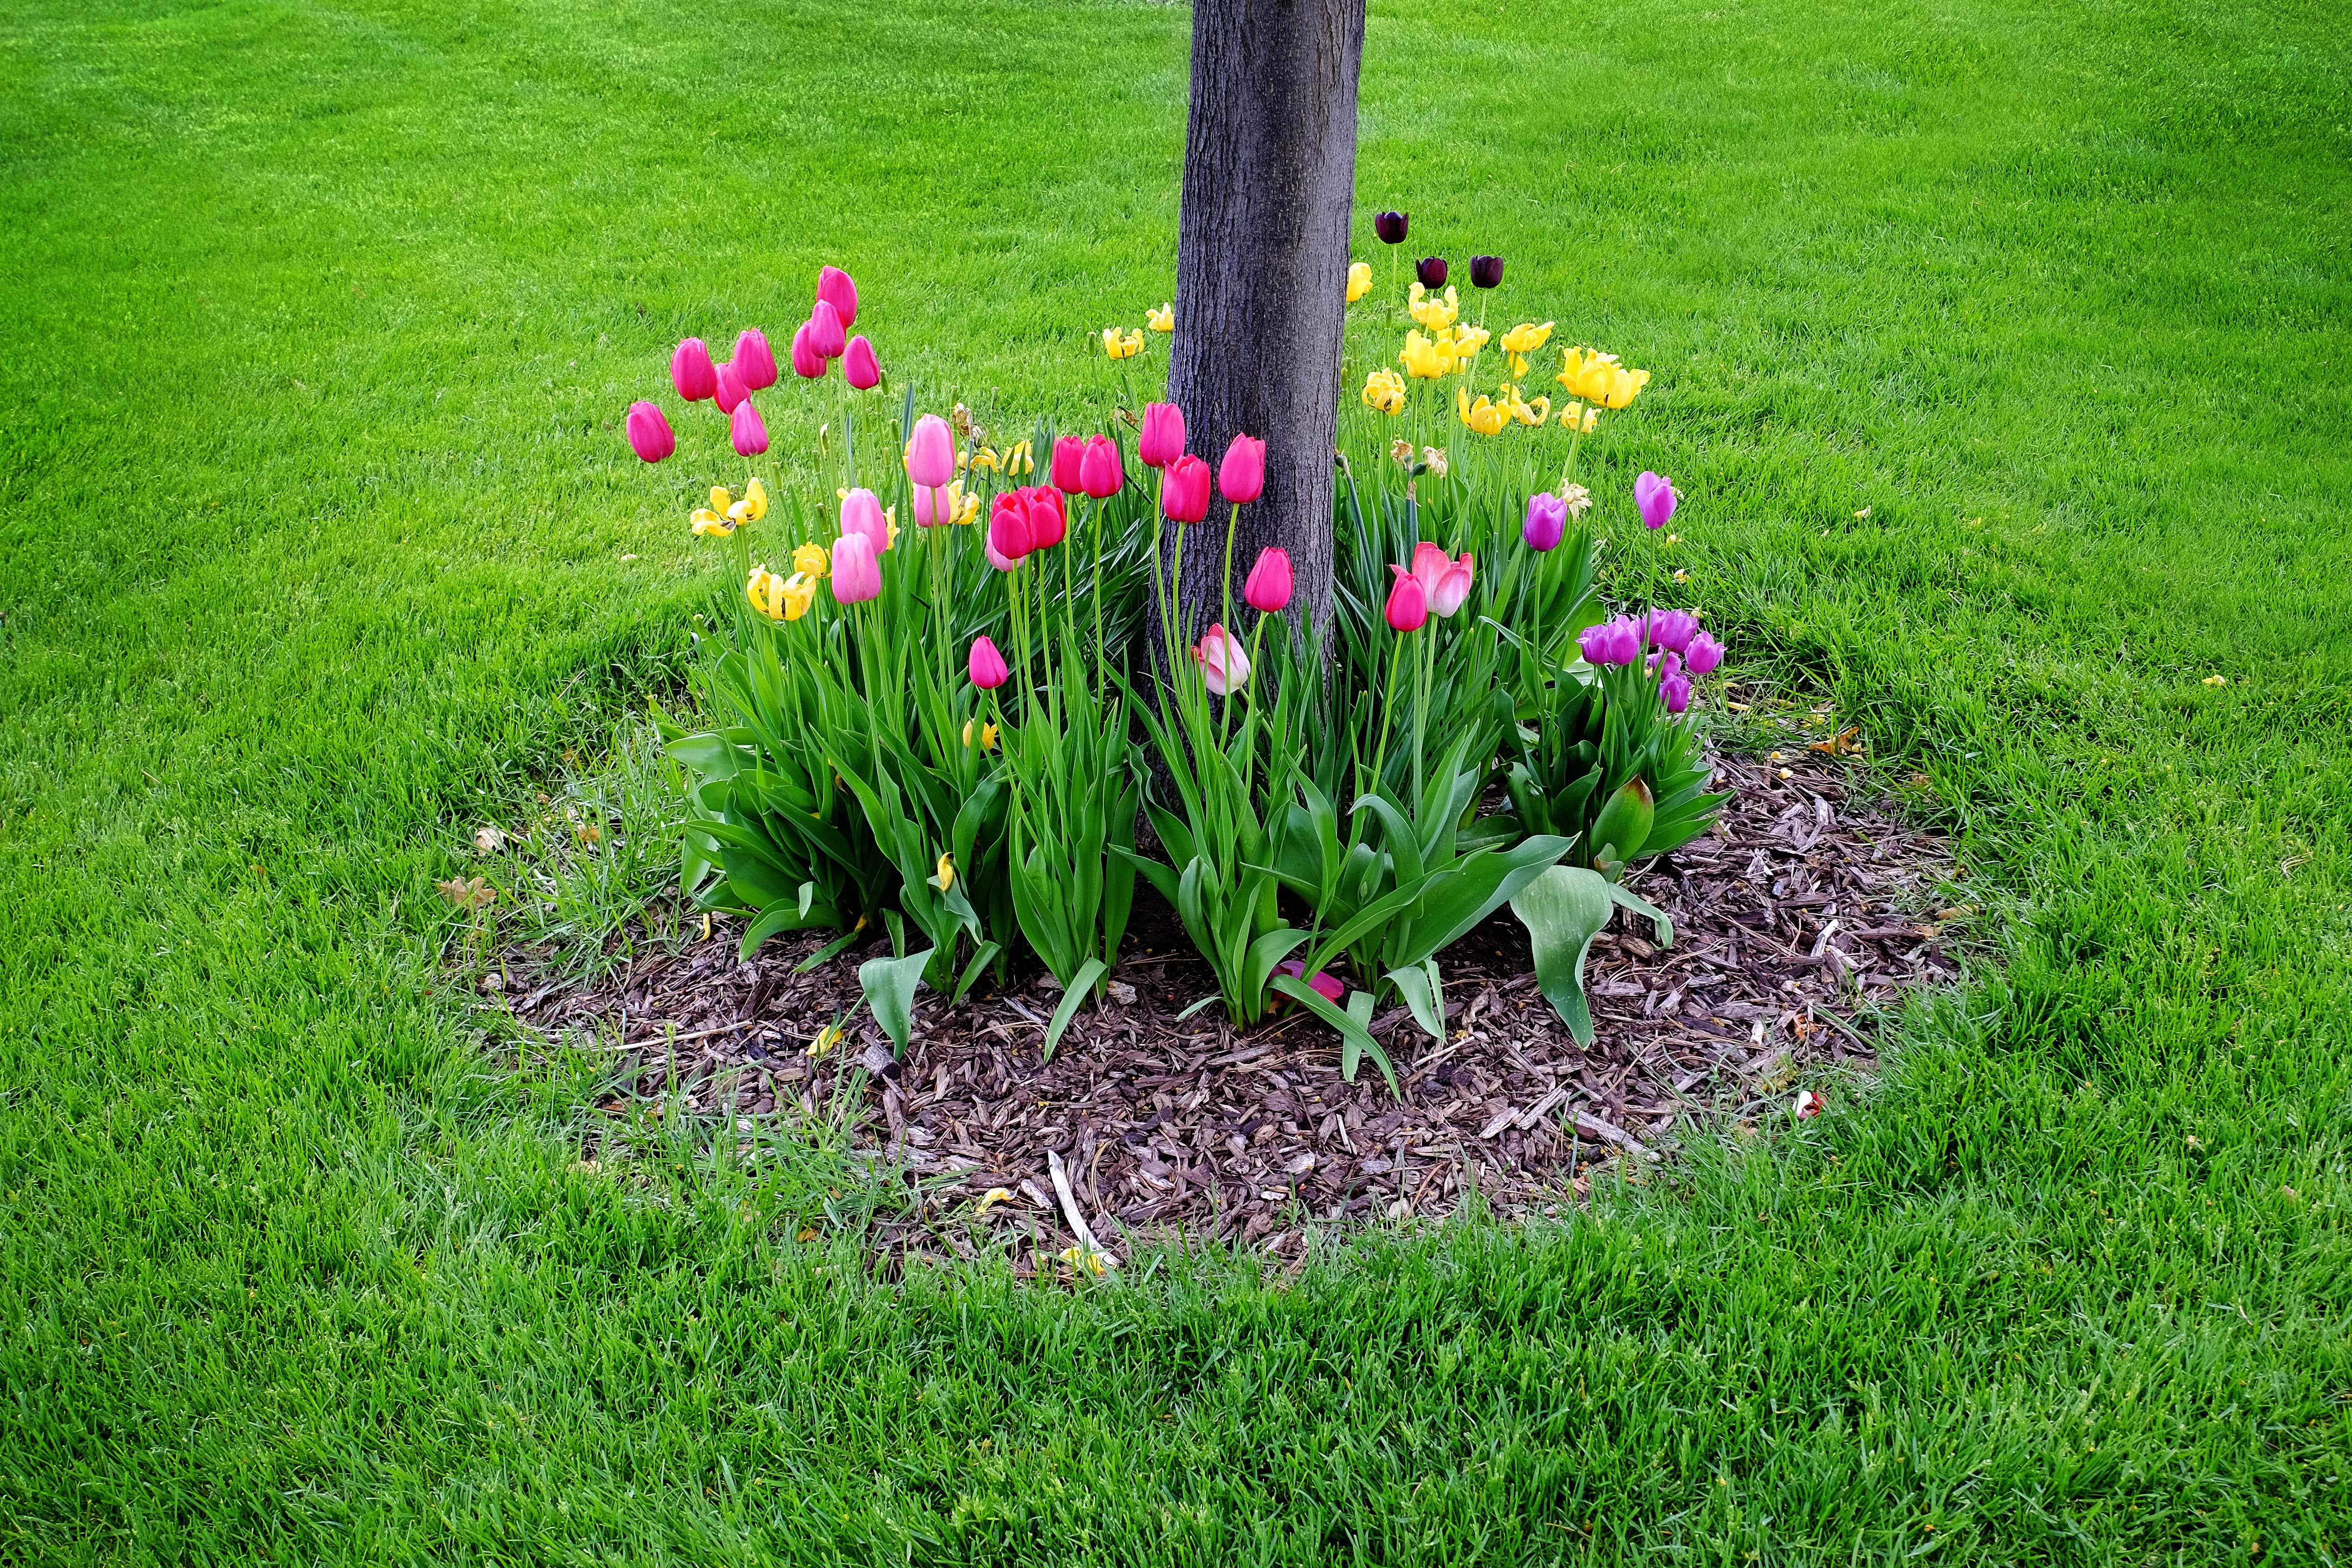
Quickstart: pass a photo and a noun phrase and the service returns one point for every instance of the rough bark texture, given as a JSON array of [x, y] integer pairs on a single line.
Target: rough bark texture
[[1261, 277]]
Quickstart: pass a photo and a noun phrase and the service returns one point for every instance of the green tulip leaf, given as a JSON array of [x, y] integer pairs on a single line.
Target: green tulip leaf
[[889, 986], [1081, 985], [1563, 910]]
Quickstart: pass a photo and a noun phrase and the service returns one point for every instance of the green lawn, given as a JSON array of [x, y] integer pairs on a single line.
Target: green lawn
[[320, 540]]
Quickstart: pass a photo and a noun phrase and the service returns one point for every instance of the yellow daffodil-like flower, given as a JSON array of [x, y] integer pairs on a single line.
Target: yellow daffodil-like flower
[[1533, 415], [1118, 347], [810, 561], [1423, 358], [1485, 417], [1598, 378], [1524, 340], [766, 592], [1360, 280], [1578, 417], [1401, 451], [987, 735], [1436, 311], [1384, 390], [1019, 458], [1163, 320], [1467, 342], [1434, 459], [944, 878]]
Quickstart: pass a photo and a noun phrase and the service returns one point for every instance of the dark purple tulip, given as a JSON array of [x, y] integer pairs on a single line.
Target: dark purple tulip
[[1431, 270], [1485, 271], [1390, 226]]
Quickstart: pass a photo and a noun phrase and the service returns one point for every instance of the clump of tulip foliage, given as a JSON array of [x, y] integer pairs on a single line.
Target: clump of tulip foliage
[[934, 709]]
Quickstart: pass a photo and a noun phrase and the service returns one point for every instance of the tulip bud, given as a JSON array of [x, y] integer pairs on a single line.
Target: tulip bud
[[754, 361], [1162, 441], [827, 335], [1546, 522], [1408, 609], [1047, 522], [1184, 489], [861, 512], [1069, 460], [1009, 532], [857, 575], [1703, 655], [649, 433], [1267, 587], [730, 390], [930, 455], [744, 428], [858, 363], [1623, 825], [834, 287], [807, 362], [1485, 271], [1100, 472], [1241, 477], [1390, 226], [1654, 499], [691, 372], [1431, 270], [986, 665]]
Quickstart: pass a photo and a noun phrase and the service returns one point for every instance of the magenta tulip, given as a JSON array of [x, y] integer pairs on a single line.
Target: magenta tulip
[[834, 288], [986, 665], [1241, 477], [1670, 628], [1184, 489], [857, 575], [807, 362], [861, 512], [744, 428], [858, 363], [1267, 587], [1547, 522], [1068, 465], [691, 372], [1703, 655], [1654, 499], [1674, 691], [649, 433], [1408, 607], [1100, 472], [1162, 441], [1009, 533], [1327, 985], [930, 455], [1047, 523], [827, 335], [1612, 642], [754, 361], [730, 391]]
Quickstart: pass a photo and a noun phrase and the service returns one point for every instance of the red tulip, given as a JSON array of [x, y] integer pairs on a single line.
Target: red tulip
[[649, 433], [1069, 458], [1009, 531], [858, 363], [1241, 477], [1163, 436], [827, 335], [986, 665], [749, 435], [834, 286], [1099, 471], [1046, 523], [691, 371], [754, 361], [1267, 588], [1184, 489], [730, 390], [806, 360], [1407, 610]]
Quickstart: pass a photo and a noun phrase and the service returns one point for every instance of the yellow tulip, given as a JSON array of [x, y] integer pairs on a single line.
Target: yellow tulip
[[1118, 347], [1624, 385], [1163, 320], [1598, 378], [766, 592], [1531, 414], [987, 735], [1019, 458], [800, 592], [1360, 280], [1482, 416], [986, 457], [945, 878], [710, 523], [1384, 390], [1467, 342], [810, 561], [721, 497], [1423, 358], [1578, 417], [1436, 311], [1524, 340]]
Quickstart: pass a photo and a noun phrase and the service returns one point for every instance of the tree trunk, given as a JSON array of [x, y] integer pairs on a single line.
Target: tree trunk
[[1261, 281]]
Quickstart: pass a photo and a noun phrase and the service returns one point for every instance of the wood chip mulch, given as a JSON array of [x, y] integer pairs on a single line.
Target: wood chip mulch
[[1802, 914]]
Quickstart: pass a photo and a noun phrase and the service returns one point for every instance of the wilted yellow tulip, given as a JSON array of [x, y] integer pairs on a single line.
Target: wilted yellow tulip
[[1485, 417], [1360, 280], [1401, 451], [709, 524], [1524, 340], [766, 592], [1530, 414], [810, 561], [1436, 311], [1433, 458], [944, 878], [986, 457], [1384, 390], [1163, 320], [1118, 347], [800, 593], [1578, 417], [987, 735], [1423, 358], [1019, 458]]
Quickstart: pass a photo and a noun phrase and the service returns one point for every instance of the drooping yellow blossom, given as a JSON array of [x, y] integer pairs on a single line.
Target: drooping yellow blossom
[[1360, 280], [1578, 417], [1467, 341], [766, 592], [1118, 347], [987, 735], [1163, 320], [944, 878], [1423, 358], [718, 520], [1598, 378], [1436, 311], [1524, 340], [1384, 390], [984, 458], [1433, 458], [710, 523], [954, 505], [810, 561], [1533, 415], [830, 1036], [800, 593], [1485, 417]]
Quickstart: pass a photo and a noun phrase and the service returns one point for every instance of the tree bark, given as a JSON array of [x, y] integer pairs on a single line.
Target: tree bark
[[1261, 281]]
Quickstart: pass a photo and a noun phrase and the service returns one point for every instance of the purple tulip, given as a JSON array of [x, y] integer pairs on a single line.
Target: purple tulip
[[1485, 271], [1703, 655], [754, 361], [1672, 628], [1654, 499], [1674, 691], [649, 433], [1431, 270], [1390, 227], [1612, 642], [1546, 522]]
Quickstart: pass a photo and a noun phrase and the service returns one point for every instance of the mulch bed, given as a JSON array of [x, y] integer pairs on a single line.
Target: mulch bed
[[1804, 912]]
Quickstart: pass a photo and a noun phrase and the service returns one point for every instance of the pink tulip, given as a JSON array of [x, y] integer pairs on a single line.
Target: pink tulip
[[925, 500], [754, 361], [1069, 460], [1452, 588], [1046, 523], [834, 288], [827, 335], [1162, 441], [1100, 473], [730, 391], [930, 455], [1654, 499], [1325, 984], [857, 575], [1008, 533], [1184, 489], [749, 435], [649, 433], [1267, 588], [807, 362], [1444, 583], [859, 364], [1224, 667], [861, 512], [996, 559], [986, 665], [1241, 477], [1408, 608], [691, 372]]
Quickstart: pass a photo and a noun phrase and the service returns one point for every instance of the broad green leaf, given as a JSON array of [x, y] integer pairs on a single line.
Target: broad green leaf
[[1423, 994], [1660, 925], [889, 986], [1563, 910]]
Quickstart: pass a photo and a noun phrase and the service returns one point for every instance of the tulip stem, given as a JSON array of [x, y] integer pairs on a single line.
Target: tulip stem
[[1380, 753], [1100, 691], [1224, 709]]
